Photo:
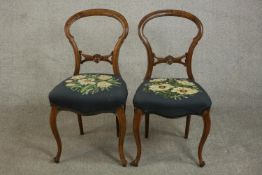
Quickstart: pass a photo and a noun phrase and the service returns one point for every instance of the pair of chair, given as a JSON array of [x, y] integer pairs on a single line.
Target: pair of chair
[[92, 93]]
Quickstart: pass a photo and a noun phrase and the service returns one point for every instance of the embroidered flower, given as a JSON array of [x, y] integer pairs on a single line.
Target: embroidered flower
[[104, 77], [91, 83], [69, 81], [91, 79], [156, 80], [172, 88], [160, 87], [70, 84], [77, 77], [86, 82], [103, 84], [185, 82], [184, 90]]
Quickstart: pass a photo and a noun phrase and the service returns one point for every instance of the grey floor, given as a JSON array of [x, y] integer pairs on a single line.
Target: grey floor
[[27, 145]]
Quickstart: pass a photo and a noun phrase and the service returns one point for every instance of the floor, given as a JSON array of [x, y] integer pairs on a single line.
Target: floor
[[27, 145]]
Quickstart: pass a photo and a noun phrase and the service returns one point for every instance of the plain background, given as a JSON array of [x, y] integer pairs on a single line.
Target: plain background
[[35, 56]]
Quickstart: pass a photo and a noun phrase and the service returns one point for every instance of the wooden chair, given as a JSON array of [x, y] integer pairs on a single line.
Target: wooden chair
[[91, 93], [170, 97]]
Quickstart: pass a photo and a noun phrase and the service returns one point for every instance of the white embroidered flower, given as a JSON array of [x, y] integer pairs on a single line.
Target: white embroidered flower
[[91, 79], [104, 77], [77, 77], [103, 84], [185, 82], [69, 81], [160, 87], [185, 90], [86, 82], [70, 84], [156, 80]]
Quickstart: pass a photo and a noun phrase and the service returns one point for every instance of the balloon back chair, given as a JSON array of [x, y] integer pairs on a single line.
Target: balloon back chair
[[92, 93], [170, 97]]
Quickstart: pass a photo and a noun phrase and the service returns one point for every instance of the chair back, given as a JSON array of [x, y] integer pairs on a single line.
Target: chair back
[[185, 59], [81, 57]]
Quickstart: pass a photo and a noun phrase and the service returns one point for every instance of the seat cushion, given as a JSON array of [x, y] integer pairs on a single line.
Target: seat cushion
[[90, 94], [170, 97]]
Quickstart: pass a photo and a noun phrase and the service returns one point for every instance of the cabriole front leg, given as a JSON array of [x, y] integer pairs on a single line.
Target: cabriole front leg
[[136, 130], [207, 125], [122, 131], [53, 116]]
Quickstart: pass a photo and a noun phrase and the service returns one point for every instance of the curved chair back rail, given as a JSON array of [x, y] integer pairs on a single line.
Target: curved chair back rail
[[80, 57], [185, 59]]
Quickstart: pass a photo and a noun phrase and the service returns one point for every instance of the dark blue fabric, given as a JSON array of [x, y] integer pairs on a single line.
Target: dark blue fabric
[[106, 101], [150, 102]]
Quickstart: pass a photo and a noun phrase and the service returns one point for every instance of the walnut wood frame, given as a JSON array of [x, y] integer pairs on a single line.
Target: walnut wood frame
[[80, 58], [153, 60]]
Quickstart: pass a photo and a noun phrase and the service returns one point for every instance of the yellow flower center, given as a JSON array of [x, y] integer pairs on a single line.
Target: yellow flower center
[[183, 90]]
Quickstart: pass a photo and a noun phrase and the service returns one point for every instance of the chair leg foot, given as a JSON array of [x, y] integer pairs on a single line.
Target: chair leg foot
[[124, 163], [56, 160], [122, 131], [202, 164], [207, 125], [134, 163], [53, 116], [136, 130]]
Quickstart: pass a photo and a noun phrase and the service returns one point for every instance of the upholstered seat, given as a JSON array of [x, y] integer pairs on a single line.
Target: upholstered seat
[[171, 97], [89, 94]]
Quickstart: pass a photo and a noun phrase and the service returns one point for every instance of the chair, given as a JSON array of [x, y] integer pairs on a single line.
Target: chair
[[170, 97], [91, 93]]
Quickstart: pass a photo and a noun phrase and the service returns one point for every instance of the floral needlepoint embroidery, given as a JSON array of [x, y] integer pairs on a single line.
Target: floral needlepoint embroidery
[[103, 84], [160, 87], [176, 89], [157, 80], [184, 90], [104, 77], [91, 83]]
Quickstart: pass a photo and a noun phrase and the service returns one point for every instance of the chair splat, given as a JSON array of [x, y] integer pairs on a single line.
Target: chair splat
[[170, 59], [96, 57]]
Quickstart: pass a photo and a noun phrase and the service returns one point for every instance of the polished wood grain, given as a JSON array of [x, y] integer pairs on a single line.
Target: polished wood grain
[[153, 60], [81, 58], [53, 116], [146, 125], [188, 118], [117, 127], [96, 58], [120, 113], [80, 123], [136, 130], [207, 125], [170, 60]]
